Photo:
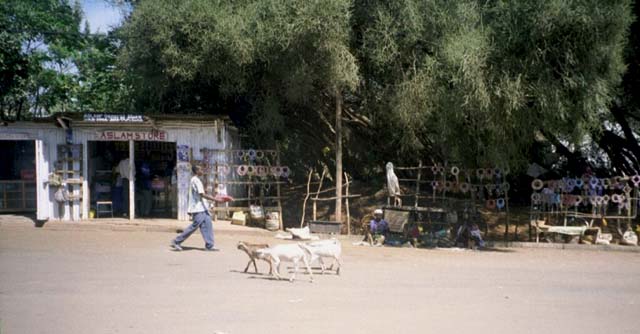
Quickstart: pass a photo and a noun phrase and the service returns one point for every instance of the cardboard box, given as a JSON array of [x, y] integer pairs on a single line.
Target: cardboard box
[[239, 218]]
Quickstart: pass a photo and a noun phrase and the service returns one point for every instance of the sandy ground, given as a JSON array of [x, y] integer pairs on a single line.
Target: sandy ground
[[130, 282]]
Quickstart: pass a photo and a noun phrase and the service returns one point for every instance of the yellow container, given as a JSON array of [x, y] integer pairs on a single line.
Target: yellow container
[[239, 218]]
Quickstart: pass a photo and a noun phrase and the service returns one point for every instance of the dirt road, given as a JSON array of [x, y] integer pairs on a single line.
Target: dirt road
[[130, 282]]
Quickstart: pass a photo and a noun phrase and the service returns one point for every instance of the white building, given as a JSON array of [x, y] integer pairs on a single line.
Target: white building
[[84, 152]]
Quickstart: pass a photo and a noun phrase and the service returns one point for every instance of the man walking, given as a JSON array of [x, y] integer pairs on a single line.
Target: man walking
[[199, 211]]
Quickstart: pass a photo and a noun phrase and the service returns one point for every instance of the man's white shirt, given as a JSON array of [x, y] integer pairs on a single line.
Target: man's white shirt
[[196, 202], [123, 169]]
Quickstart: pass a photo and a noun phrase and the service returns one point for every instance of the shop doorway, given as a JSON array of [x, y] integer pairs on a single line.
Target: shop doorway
[[154, 185], [107, 189], [18, 176], [155, 182]]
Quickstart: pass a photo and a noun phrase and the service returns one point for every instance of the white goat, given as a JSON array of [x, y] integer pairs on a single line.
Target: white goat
[[251, 249], [287, 253], [325, 248]]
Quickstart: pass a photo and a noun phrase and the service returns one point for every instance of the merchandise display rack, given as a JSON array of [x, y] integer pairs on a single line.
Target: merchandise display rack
[[69, 167], [254, 174]]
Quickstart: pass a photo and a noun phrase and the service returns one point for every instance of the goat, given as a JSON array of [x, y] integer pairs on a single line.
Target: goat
[[286, 253], [251, 250], [324, 248]]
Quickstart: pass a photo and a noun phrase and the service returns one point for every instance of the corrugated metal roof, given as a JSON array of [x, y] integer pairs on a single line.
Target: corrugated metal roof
[[148, 119]]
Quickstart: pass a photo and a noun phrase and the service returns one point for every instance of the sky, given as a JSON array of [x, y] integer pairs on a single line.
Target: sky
[[102, 16]]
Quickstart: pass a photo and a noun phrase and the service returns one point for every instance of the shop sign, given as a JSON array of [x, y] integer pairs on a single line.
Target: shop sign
[[113, 118], [15, 136], [152, 135]]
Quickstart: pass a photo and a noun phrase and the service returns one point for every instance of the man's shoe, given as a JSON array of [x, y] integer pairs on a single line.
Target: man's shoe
[[175, 246], [212, 249]]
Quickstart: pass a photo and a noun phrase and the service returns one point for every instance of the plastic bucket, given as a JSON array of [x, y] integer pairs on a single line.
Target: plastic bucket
[[272, 224]]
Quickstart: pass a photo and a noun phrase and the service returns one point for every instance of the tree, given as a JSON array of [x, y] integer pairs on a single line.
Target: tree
[[102, 86], [283, 60], [36, 41], [619, 133], [475, 82]]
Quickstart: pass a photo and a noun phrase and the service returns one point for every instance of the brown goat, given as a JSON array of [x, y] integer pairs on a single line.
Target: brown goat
[[250, 249]]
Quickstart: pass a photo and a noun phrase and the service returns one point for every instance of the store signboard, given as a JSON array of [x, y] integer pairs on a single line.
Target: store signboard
[[113, 118], [15, 136], [151, 135]]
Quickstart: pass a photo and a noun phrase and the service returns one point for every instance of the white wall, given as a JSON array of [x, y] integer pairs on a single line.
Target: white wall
[[50, 136], [196, 136]]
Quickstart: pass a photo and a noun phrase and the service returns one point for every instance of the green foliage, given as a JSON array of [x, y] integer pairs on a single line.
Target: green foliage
[[237, 48], [47, 64], [102, 87], [271, 65], [32, 34], [467, 81], [473, 81]]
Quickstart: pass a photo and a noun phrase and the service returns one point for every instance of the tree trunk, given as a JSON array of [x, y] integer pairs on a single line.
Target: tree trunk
[[575, 161], [338, 213], [36, 104], [629, 143], [19, 110], [621, 153]]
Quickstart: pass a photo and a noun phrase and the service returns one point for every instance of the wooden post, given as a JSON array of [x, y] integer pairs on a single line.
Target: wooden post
[[418, 184], [42, 199], [278, 194], [86, 195], [338, 212], [132, 193], [346, 178], [435, 178], [314, 210], [324, 172], [444, 189], [306, 197], [506, 230], [506, 205]]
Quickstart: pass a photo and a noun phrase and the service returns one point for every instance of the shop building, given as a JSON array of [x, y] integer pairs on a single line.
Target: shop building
[[82, 166]]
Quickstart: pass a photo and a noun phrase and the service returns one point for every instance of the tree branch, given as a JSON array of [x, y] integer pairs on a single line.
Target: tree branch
[[325, 121], [575, 159], [356, 119]]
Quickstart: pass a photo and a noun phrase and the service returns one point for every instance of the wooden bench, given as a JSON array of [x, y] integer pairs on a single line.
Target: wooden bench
[[397, 220], [325, 226], [541, 227]]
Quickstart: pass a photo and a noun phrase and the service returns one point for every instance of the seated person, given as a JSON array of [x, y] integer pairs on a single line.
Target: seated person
[[413, 234], [475, 234], [468, 232], [378, 229]]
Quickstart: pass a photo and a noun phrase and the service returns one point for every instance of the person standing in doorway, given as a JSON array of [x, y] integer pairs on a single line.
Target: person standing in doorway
[[144, 178], [125, 170], [199, 211]]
